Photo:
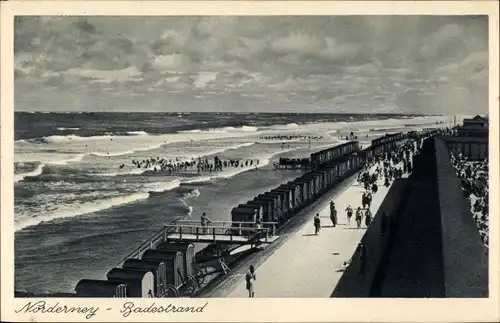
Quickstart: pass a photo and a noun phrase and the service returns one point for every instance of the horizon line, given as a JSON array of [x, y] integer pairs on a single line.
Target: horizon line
[[238, 112]]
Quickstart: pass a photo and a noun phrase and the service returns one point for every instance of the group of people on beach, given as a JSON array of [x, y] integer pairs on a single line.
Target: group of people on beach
[[290, 137], [201, 165], [474, 178]]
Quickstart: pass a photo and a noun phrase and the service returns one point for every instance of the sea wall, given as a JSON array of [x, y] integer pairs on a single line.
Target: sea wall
[[432, 247], [465, 258]]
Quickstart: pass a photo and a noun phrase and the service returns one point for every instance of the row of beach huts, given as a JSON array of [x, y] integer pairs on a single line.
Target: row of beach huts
[[329, 167], [162, 268]]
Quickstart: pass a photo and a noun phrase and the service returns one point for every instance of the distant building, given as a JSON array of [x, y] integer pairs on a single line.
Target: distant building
[[470, 139], [475, 127]]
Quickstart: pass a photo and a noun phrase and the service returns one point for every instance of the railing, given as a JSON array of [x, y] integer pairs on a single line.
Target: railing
[[161, 236], [152, 242], [233, 224], [232, 231]]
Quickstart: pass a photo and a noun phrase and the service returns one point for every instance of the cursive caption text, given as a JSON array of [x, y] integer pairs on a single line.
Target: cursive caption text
[[57, 308], [130, 308]]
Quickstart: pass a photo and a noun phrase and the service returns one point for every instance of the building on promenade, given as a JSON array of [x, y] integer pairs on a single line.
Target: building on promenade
[[470, 139], [475, 127]]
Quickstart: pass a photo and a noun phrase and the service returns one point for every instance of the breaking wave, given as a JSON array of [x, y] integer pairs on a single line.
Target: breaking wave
[[37, 171], [77, 158], [59, 139], [223, 130], [78, 209], [138, 133], [126, 152], [63, 129]]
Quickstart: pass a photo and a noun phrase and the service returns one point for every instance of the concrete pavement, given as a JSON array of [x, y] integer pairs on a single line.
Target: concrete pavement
[[308, 265]]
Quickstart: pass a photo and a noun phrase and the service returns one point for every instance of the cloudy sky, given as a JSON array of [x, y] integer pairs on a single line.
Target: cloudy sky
[[413, 64]]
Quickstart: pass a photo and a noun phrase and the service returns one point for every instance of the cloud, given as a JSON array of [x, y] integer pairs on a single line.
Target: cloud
[[126, 74], [168, 62], [204, 78], [353, 60], [296, 43]]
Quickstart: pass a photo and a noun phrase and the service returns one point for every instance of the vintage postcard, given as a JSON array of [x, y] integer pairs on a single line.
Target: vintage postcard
[[169, 161]]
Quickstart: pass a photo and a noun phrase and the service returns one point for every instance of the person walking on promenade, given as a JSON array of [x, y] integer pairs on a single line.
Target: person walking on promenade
[[317, 224], [358, 217], [362, 257], [205, 221], [368, 218], [250, 279], [349, 214], [333, 214]]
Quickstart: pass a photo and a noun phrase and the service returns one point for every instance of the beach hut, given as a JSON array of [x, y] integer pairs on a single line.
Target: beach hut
[[343, 168], [287, 194], [299, 193], [361, 161], [326, 182], [278, 205], [158, 269], [310, 185], [255, 208], [291, 194], [336, 152], [334, 176], [316, 181], [100, 288], [330, 176], [285, 198], [353, 163], [312, 178], [338, 172], [306, 185], [322, 176], [293, 191], [262, 207], [327, 175], [342, 149], [267, 207], [174, 263], [244, 214], [140, 282], [273, 215], [319, 181], [187, 251], [315, 159]]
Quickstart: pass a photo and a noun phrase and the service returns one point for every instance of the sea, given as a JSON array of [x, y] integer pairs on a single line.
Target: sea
[[81, 204]]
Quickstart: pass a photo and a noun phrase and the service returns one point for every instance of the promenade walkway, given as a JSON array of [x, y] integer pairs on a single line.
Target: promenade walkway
[[308, 265]]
